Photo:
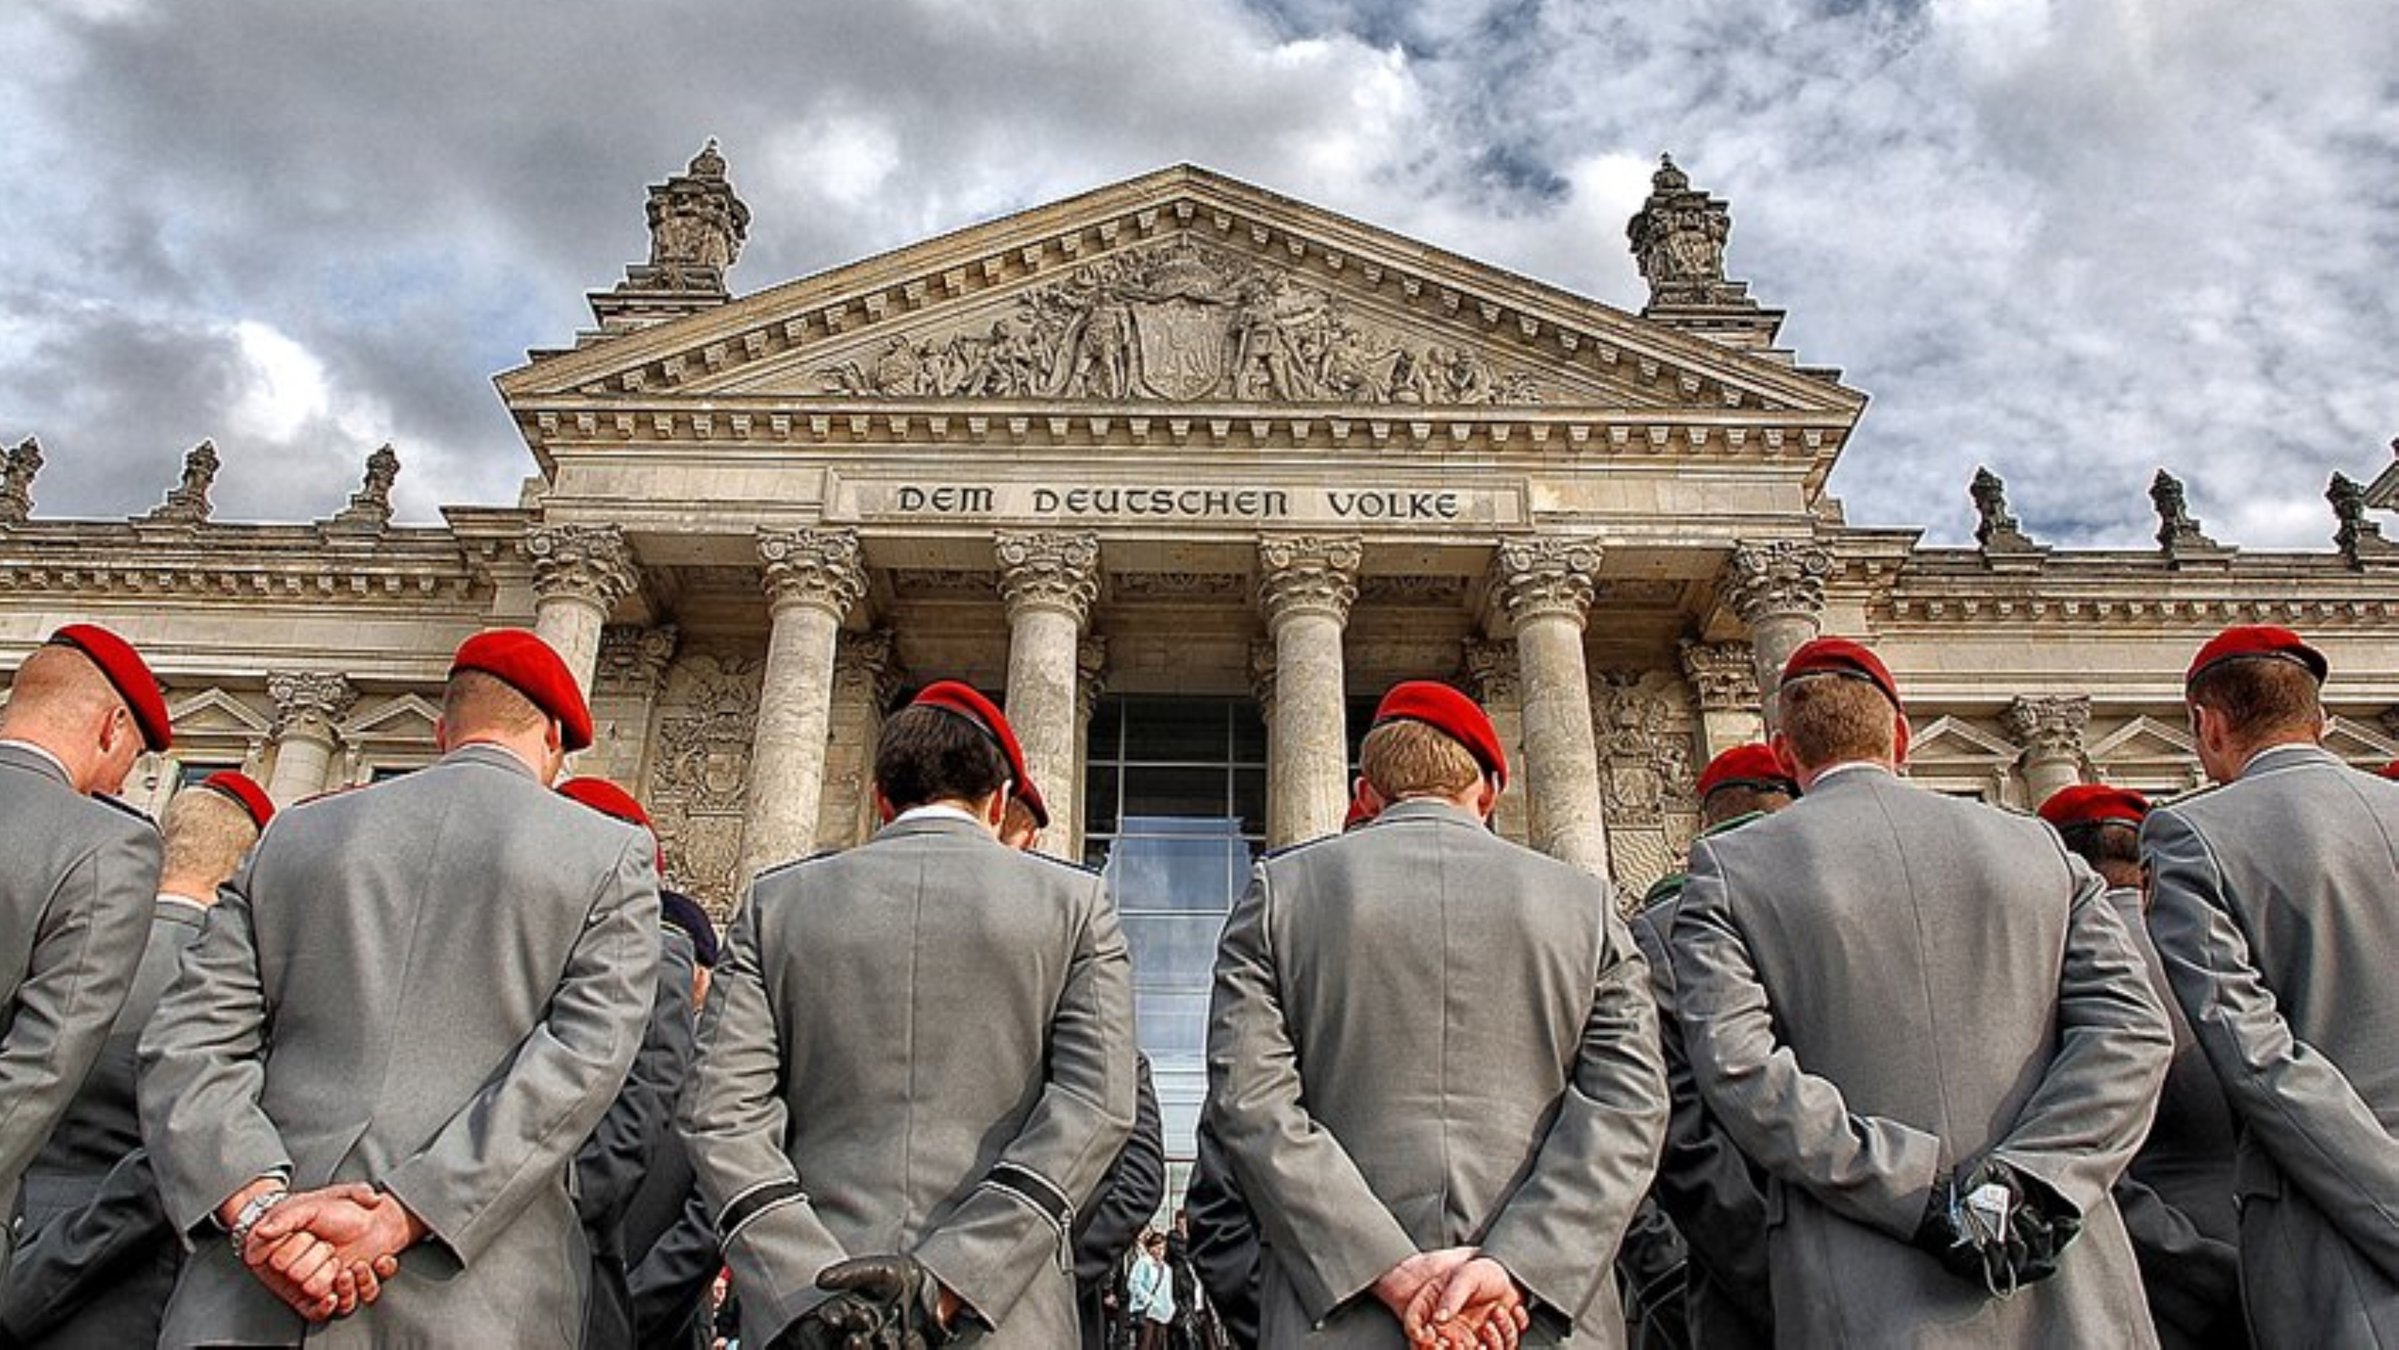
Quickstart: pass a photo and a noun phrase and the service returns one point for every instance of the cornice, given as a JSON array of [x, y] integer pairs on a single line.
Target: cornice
[[263, 562]]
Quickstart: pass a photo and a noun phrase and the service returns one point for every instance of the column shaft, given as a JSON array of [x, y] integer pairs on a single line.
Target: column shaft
[[579, 573], [309, 705], [302, 757], [1306, 585], [1545, 587], [813, 578], [1778, 590], [1041, 706], [571, 622]]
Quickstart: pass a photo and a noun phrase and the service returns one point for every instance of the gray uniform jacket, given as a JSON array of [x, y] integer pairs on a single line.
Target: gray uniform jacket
[[2177, 1196], [1423, 1036], [614, 1164], [922, 1045], [1705, 1185], [93, 1225], [435, 985], [1881, 982], [2275, 906], [1127, 1199], [74, 910]]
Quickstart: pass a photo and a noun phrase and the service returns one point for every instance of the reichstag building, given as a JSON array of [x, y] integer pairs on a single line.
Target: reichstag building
[[1187, 472]]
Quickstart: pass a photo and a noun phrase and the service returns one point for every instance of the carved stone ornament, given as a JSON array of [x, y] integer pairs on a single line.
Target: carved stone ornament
[[2177, 531], [1537, 577], [1783, 578], [699, 778], [1049, 568], [1180, 322], [1723, 675], [1996, 529], [371, 505], [17, 468], [1091, 674], [633, 659], [1261, 677], [1678, 239], [2048, 726], [1642, 729], [188, 503], [1491, 669], [824, 568], [697, 227], [868, 665], [309, 702], [2357, 538], [1307, 573], [588, 562]]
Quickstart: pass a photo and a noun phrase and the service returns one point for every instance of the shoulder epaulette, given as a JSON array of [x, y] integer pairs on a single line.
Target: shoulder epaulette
[[1288, 849], [1068, 863], [2163, 803], [1665, 888], [1732, 824], [120, 804], [819, 856]]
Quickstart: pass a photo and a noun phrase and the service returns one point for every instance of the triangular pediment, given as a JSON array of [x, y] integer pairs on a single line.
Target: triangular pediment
[[403, 717], [215, 712], [1179, 287], [1952, 739]]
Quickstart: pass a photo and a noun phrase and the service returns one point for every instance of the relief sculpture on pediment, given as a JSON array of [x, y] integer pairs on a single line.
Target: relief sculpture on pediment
[[1180, 322]]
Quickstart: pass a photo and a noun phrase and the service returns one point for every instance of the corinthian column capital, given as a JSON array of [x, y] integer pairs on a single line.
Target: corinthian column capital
[[824, 569], [2048, 726], [1308, 574], [1781, 579], [309, 702], [1537, 576], [586, 562], [1049, 569]]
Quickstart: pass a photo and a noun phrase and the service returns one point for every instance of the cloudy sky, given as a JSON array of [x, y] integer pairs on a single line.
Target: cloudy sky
[[2075, 240]]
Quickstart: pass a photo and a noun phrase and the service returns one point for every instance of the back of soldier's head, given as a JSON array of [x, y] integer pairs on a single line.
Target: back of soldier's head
[[2112, 848], [929, 754], [1735, 800], [2260, 700], [206, 835], [1830, 720], [1407, 758], [57, 688], [474, 703]]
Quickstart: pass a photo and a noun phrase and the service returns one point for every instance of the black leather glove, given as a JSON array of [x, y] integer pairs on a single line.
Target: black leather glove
[[1996, 1227], [896, 1293]]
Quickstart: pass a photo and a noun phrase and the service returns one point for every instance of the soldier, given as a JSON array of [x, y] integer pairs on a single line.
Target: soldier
[[1224, 1241], [410, 1006], [2177, 1195], [82, 877], [1923, 1021], [624, 1151], [670, 1246], [916, 1064], [1127, 1199], [1715, 1200], [2272, 908], [1433, 1063], [98, 1257]]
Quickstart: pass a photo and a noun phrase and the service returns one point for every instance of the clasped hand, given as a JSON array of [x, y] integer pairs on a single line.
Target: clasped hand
[[327, 1252], [1455, 1299]]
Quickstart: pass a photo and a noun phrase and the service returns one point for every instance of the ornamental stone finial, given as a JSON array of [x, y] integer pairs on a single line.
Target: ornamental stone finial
[[2357, 538], [1996, 529], [2177, 530], [588, 562], [823, 568], [1784, 578], [1049, 569], [17, 468], [371, 506], [1308, 574], [1678, 238], [1543, 576], [697, 228], [187, 503]]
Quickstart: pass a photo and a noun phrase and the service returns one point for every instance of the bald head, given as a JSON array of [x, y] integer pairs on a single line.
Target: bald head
[[61, 702], [207, 833]]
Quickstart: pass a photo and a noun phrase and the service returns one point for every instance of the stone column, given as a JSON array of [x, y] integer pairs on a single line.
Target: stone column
[[579, 573], [1491, 673], [1091, 682], [308, 706], [866, 677], [1306, 584], [813, 578], [1544, 589], [1778, 590], [1048, 581], [1724, 680], [2050, 730]]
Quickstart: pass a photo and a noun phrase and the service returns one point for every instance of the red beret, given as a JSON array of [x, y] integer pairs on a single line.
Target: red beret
[[525, 663], [2391, 770], [610, 800], [1358, 813], [246, 794], [128, 674], [953, 697], [1843, 658], [1750, 766], [2094, 804], [1452, 714], [2257, 641]]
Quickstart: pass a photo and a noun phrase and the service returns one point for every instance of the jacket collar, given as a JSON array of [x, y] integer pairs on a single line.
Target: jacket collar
[[1421, 808], [34, 759], [942, 823], [486, 753], [2289, 756], [1855, 776]]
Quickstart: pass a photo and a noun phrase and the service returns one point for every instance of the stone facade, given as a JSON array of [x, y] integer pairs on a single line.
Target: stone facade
[[1177, 436]]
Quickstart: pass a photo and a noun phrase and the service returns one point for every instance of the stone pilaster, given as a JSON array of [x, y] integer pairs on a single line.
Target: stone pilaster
[[579, 573], [1724, 678], [2050, 730], [1091, 684], [1306, 584], [309, 705], [1491, 673], [814, 577], [1544, 587], [866, 677], [1778, 590], [1261, 688], [1048, 581], [626, 676]]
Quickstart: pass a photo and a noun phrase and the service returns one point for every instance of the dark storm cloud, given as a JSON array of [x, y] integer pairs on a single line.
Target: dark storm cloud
[[2072, 241]]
